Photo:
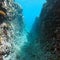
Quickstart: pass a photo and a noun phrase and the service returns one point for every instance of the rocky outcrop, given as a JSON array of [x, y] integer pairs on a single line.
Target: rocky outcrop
[[45, 33], [11, 28]]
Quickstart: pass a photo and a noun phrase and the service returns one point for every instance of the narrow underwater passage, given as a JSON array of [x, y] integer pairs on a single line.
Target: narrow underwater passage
[[31, 10]]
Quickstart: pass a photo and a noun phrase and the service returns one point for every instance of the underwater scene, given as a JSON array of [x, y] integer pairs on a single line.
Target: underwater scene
[[29, 29]]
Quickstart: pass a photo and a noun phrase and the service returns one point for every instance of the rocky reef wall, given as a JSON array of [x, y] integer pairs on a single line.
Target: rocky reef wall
[[44, 36], [11, 30]]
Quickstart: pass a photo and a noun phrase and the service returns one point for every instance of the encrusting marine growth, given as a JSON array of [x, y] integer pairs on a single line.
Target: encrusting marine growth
[[8, 12]]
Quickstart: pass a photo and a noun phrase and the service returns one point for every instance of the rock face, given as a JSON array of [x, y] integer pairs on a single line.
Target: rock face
[[11, 27], [45, 34]]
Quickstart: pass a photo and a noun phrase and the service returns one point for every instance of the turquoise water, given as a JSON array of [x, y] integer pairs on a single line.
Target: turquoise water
[[19, 46], [31, 9]]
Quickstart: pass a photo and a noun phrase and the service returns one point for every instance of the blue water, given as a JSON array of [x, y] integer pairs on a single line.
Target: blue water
[[31, 9], [21, 44]]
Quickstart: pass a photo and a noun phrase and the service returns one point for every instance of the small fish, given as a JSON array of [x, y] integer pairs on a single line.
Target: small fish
[[2, 13]]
